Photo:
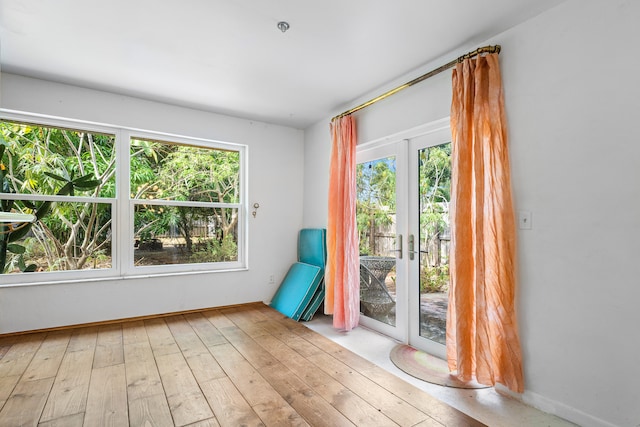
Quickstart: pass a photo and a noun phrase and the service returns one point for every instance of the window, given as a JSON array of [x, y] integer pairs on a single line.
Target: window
[[67, 179], [110, 203], [186, 201]]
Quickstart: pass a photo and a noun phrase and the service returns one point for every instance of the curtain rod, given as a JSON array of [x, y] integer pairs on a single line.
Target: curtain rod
[[479, 51]]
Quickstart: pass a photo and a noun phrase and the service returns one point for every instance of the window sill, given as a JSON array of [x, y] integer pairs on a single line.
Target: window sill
[[121, 278]]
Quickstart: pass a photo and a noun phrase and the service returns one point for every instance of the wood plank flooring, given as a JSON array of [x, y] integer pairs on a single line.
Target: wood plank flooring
[[237, 366]]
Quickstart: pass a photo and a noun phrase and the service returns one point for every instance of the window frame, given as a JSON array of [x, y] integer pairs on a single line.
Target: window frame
[[129, 269], [122, 206]]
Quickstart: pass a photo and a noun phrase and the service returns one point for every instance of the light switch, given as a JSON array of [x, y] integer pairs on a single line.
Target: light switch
[[524, 220]]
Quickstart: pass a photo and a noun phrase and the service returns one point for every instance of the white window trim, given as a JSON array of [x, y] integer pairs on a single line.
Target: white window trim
[[122, 207]]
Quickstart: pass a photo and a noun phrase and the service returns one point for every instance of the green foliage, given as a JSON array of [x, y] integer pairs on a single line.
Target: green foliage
[[434, 193], [46, 161], [376, 204], [50, 161], [434, 279], [213, 250], [205, 175], [18, 260]]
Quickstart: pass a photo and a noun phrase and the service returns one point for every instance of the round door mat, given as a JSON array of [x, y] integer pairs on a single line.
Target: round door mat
[[427, 367]]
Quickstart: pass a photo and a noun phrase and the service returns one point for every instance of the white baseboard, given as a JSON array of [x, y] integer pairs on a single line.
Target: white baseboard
[[556, 408]]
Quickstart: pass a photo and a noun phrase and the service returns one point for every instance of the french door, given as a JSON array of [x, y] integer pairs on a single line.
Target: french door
[[380, 178], [403, 223]]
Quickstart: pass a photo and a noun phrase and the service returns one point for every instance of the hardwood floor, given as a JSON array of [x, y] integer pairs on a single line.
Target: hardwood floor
[[238, 366]]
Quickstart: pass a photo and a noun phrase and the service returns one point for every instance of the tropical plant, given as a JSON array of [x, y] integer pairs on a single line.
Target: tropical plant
[[42, 161]]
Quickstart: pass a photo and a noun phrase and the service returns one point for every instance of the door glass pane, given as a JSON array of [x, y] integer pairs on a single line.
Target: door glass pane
[[434, 174], [376, 216]]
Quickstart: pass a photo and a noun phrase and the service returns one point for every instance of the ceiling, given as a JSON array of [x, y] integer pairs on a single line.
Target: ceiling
[[229, 57]]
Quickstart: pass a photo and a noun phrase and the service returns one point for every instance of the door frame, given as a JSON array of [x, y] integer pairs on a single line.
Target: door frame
[[407, 329]]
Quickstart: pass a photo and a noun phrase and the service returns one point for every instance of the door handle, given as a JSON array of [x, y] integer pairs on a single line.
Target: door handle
[[412, 252], [399, 245]]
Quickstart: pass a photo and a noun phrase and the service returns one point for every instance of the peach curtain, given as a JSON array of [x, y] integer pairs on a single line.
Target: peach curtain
[[482, 334], [342, 276]]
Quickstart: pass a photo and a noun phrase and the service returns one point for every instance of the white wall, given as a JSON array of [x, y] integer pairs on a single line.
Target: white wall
[[272, 234], [573, 105]]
